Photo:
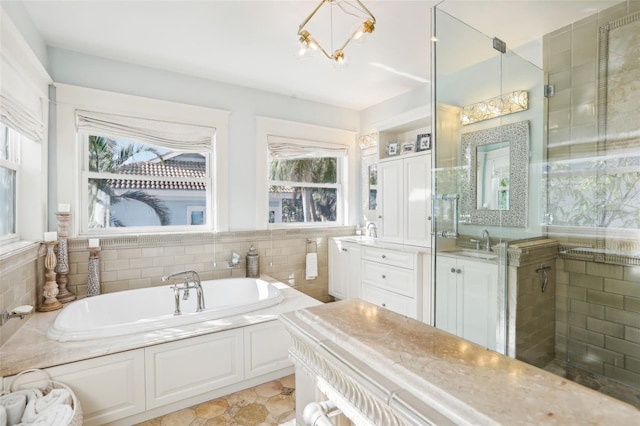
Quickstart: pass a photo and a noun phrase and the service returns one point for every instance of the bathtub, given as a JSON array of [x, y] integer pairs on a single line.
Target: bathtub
[[147, 309]]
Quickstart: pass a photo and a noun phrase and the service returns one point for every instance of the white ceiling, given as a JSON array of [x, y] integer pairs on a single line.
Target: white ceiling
[[253, 43]]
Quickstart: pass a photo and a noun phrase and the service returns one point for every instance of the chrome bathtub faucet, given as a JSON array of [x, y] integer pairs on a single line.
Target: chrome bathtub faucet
[[191, 280]]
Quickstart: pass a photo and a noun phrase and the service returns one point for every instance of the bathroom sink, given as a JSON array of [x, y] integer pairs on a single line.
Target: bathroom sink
[[487, 255]]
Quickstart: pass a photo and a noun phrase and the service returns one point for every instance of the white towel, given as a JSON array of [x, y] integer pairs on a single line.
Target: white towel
[[3, 416], [312, 266], [56, 415], [14, 405], [52, 399]]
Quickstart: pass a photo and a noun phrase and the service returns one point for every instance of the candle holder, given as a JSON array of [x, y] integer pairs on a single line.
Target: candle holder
[[93, 286], [64, 295], [50, 290]]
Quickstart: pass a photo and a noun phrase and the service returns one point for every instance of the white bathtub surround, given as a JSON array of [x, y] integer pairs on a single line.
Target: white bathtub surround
[[127, 379], [422, 375], [152, 308]]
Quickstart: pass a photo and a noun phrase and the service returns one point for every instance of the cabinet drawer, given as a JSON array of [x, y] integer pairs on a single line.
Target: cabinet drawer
[[394, 302], [390, 257], [397, 280]]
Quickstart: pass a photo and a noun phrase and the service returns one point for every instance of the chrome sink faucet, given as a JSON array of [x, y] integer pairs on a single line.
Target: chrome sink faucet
[[191, 280], [487, 240]]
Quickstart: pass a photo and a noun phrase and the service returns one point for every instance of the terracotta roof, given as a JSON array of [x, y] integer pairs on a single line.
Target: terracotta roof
[[170, 168]]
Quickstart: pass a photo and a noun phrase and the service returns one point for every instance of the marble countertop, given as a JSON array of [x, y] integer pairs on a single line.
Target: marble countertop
[[30, 348], [374, 242], [420, 366]]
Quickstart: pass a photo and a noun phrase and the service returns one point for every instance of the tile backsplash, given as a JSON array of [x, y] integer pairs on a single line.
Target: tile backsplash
[[135, 262]]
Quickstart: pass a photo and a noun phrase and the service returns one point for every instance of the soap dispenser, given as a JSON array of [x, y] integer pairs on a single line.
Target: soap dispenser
[[253, 263]]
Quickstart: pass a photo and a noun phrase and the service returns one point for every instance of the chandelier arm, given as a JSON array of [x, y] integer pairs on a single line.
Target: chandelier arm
[[364, 9], [311, 15], [373, 18]]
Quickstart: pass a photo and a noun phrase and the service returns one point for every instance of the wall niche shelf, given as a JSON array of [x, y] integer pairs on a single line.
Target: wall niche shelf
[[403, 129]]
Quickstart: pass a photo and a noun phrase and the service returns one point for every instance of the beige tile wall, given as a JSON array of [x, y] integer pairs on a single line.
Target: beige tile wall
[[136, 262], [597, 315], [20, 275], [598, 322]]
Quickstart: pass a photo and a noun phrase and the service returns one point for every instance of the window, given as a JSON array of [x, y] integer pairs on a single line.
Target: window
[[304, 179], [595, 192], [304, 190], [9, 175], [141, 185]]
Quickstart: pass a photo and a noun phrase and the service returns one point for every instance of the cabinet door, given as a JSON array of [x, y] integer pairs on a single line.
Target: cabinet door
[[354, 280], [478, 303], [392, 201], [447, 294], [417, 189], [109, 387], [337, 269], [189, 367], [266, 348]]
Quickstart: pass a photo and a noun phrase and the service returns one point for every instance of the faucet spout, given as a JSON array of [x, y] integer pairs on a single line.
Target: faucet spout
[[191, 280]]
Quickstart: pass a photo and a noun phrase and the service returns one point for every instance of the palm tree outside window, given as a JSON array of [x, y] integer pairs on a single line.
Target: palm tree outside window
[[138, 185]]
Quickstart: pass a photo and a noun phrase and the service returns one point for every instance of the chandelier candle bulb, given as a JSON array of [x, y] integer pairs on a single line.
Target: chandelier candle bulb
[[64, 208], [50, 236], [94, 242]]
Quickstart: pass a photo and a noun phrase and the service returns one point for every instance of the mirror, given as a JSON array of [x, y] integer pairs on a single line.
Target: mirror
[[496, 181], [369, 187], [492, 178]]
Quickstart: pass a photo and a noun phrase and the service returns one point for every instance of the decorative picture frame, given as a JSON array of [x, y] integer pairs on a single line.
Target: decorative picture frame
[[392, 148], [423, 142], [408, 148]]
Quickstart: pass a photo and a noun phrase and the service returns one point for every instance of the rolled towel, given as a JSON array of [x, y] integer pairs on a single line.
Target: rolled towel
[[3, 416], [57, 415], [52, 399], [14, 405], [312, 266]]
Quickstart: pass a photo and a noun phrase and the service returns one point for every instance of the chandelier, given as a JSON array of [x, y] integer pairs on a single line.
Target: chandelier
[[353, 8]]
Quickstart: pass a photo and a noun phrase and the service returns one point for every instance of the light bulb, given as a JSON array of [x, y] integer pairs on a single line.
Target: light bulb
[[339, 60]]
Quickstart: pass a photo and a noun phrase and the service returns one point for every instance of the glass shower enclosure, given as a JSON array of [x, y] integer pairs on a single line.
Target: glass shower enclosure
[[489, 137]]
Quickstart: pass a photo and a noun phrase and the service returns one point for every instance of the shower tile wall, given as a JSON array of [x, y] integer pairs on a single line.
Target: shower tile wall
[[597, 304]]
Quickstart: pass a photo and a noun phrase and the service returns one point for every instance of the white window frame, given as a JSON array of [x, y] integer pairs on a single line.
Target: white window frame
[[13, 164], [68, 166], [348, 170], [86, 175], [340, 168]]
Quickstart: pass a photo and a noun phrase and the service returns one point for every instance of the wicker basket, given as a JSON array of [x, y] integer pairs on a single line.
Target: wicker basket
[[46, 385]]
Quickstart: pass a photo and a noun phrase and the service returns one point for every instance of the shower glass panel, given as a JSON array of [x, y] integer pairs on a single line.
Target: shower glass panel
[[486, 176]]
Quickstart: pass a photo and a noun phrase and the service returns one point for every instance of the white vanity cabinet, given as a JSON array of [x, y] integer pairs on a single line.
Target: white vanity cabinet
[[344, 269], [405, 200], [467, 299], [393, 279]]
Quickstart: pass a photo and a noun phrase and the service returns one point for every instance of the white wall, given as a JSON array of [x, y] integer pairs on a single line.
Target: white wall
[[18, 14], [244, 103]]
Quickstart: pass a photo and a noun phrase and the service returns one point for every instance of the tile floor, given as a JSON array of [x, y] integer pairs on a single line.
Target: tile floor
[[270, 404]]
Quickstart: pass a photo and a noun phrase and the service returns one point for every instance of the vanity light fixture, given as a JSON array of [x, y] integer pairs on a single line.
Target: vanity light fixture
[[495, 107], [353, 8]]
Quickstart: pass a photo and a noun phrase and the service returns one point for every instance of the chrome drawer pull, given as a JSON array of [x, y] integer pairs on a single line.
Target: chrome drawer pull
[[344, 249], [384, 276], [458, 270], [453, 270], [384, 256]]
